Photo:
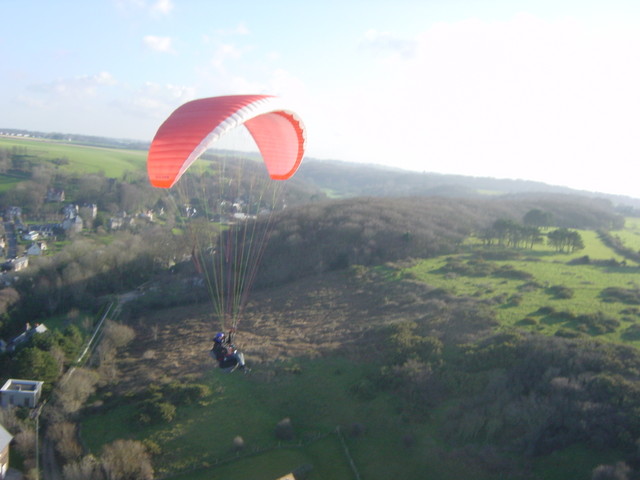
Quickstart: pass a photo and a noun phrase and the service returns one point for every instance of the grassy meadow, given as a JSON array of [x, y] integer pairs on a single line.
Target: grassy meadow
[[630, 235], [113, 163], [317, 397], [518, 300]]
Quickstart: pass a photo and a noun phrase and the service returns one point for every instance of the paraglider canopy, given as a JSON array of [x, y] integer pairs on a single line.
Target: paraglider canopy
[[192, 128]]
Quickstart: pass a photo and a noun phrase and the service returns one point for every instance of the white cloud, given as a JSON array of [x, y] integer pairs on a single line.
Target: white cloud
[[162, 7], [224, 53], [133, 8], [155, 101], [159, 44], [239, 29], [76, 87], [386, 42], [524, 98]]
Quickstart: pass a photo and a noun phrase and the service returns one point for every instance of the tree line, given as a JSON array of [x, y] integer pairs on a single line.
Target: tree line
[[511, 234]]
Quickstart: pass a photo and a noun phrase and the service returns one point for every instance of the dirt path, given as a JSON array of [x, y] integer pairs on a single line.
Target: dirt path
[[50, 467]]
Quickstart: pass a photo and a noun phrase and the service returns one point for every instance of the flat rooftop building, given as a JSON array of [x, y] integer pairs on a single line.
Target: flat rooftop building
[[20, 393]]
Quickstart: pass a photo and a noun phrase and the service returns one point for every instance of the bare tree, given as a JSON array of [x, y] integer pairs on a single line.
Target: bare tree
[[9, 420], [126, 460], [118, 334], [619, 471], [64, 437], [71, 394], [87, 467], [26, 442]]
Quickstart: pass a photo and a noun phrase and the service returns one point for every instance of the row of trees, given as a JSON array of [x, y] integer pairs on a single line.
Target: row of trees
[[508, 233], [616, 243]]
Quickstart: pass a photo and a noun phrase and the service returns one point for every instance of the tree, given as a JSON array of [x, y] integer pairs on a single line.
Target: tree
[[533, 235], [126, 460], [87, 467], [72, 394], [117, 334], [619, 471], [563, 238], [64, 438], [284, 429], [575, 241], [33, 363], [537, 218]]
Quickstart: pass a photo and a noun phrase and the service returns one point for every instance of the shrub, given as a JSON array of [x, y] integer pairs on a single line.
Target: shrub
[[632, 333], [125, 459], [515, 299], [529, 286], [238, 443], [624, 295], [284, 429], [507, 271], [546, 310], [364, 389], [597, 323], [560, 291], [619, 471], [567, 333], [152, 447], [181, 394], [303, 472], [155, 410], [528, 321]]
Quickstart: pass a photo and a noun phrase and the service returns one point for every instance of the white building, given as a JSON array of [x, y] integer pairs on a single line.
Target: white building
[[36, 248], [5, 440], [20, 393]]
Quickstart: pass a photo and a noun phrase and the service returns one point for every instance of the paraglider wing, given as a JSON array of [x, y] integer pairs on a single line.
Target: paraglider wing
[[195, 126]]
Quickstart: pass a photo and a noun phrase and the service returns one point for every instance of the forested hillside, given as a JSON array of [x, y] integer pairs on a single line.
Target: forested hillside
[[342, 179], [371, 231]]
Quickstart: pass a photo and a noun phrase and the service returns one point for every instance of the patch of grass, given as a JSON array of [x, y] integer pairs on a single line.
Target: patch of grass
[[199, 443], [82, 159], [549, 274], [571, 463], [630, 235], [275, 464], [7, 182]]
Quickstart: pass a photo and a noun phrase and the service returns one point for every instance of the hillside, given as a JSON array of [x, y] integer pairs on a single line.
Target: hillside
[[447, 336], [402, 356], [337, 179], [425, 375], [370, 231], [343, 179]]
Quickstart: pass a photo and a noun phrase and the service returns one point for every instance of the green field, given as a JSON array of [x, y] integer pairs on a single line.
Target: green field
[[112, 162], [198, 444], [317, 398], [630, 235], [520, 299]]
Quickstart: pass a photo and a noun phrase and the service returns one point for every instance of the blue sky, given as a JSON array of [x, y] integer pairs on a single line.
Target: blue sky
[[539, 90]]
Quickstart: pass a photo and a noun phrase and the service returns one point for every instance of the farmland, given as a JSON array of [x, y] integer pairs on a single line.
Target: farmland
[[74, 158]]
